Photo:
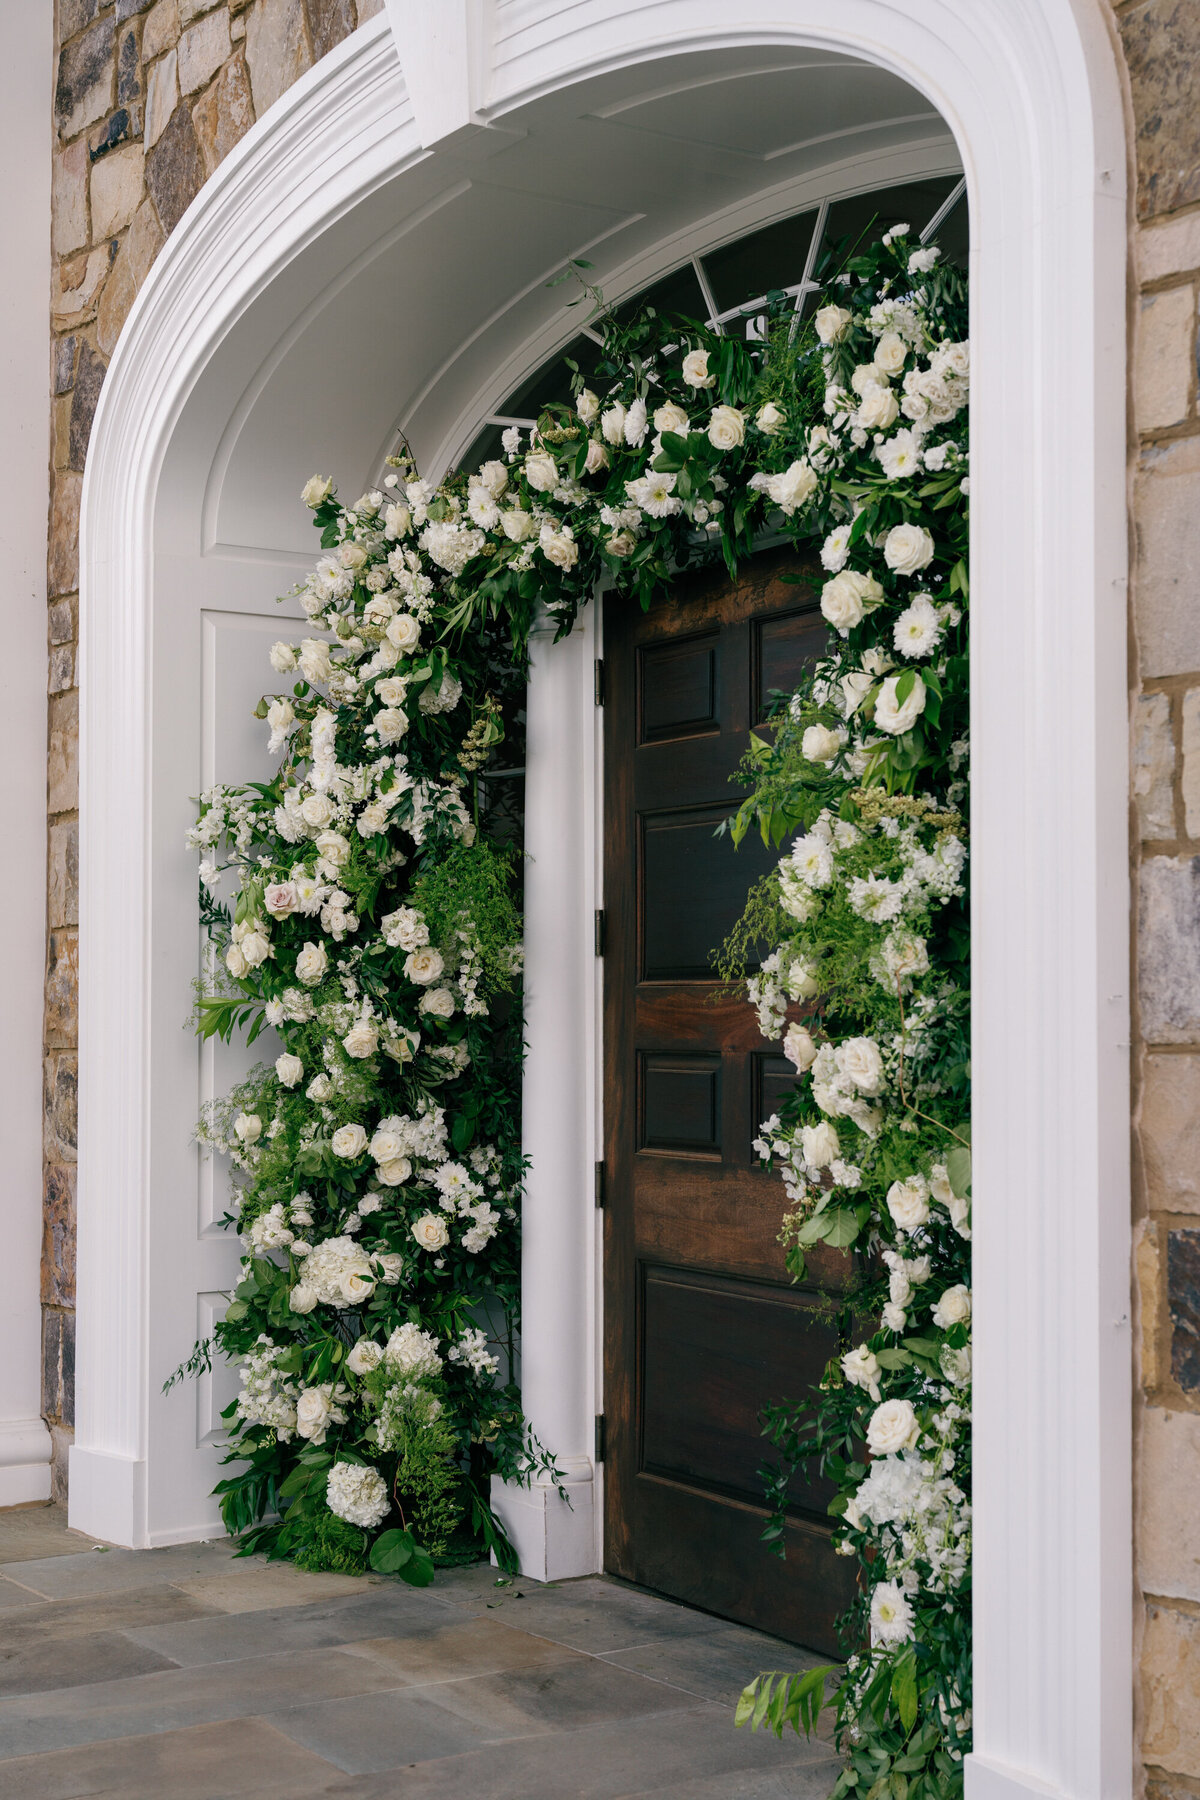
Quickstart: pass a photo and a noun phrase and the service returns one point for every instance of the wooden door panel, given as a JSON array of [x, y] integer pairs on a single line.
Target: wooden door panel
[[703, 1326]]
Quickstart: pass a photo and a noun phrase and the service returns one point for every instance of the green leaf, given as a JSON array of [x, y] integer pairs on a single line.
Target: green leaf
[[958, 1171], [391, 1551], [904, 1692]]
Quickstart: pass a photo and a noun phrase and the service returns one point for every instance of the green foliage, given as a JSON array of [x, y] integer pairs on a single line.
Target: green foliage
[[329, 1544]]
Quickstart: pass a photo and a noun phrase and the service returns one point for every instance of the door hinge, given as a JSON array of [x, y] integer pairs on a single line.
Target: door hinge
[[599, 931], [598, 679], [600, 1444], [599, 1188]]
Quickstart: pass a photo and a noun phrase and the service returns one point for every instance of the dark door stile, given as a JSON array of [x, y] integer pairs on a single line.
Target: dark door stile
[[703, 1325]]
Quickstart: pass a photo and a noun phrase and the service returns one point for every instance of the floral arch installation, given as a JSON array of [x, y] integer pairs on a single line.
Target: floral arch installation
[[1046, 210]]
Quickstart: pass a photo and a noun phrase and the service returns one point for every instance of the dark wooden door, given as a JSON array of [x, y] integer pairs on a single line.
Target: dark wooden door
[[703, 1326]]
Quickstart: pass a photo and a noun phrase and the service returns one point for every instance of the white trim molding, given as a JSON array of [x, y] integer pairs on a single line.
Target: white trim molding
[[1030, 91]]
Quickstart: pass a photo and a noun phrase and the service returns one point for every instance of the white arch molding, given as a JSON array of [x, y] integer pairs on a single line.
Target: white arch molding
[[1030, 93]]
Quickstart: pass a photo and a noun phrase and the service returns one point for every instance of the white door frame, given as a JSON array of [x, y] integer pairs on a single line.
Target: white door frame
[[1030, 89]]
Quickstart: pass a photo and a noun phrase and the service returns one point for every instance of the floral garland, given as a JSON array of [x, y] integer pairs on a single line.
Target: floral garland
[[374, 930]]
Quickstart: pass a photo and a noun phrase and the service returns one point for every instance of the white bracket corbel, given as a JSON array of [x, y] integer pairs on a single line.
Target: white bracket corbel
[[442, 47]]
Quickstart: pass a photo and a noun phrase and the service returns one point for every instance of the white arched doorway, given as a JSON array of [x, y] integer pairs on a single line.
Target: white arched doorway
[[387, 230]]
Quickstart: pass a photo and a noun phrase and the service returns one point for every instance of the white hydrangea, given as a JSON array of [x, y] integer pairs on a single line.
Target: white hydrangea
[[357, 1494]]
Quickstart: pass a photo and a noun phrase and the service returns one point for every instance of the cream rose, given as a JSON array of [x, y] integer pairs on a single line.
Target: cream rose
[[516, 525], [770, 418], [877, 409], [316, 490], [831, 323], [669, 417], [612, 423], [695, 370], [332, 848], [861, 1369], [898, 716], [847, 598], [892, 1427], [361, 1041], [423, 965], [391, 722], [280, 899], [954, 1307], [908, 1203], [587, 407], [349, 1141], [891, 353], [431, 1232], [494, 477], [799, 1047], [397, 521], [621, 543], [726, 428], [302, 1298], [394, 1171], [314, 1413], [317, 811], [314, 659], [356, 1287], [560, 548], [596, 458], [819, 1144], [289, 1069], [311, 964], [283, 658], [248, 1127], [365, 1356], [404, 632], [392, 690], [541, 471], [860, 1062], [820, 744], [236, 962], [908, 549], [792, 487], [437, 1002]]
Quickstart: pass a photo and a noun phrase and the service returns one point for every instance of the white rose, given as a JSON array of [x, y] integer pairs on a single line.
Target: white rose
[[596, 459], [894, 1317], [860, 1062], [302, 1298], [332, 848], [280, 899], [516, 525], [392, 690], [314, 659], [954, 1308], [289, 1069], [726, 428], [891, 353], [315, 490], [361, 1041], [431, 1231], [320, 1088], [423, 965], [541, 471], [621, 543], [893, 1427], [669, 417], [314, 1412], [439, 1002], [792, 487], [351, 555], [832, 322], [820, 744], [365, 1356], [349, 1141], [283, 658], [799, 1048], [799, 980], [587, 407], [394, 1171], [848, 597], [397, 521], [908, 1203], [861, 1369], [388, 1140], [235, 962], [695, 370], [897, 716], [356, 1287], [392, 1265], [248, 1127], [311, 964], [820, 1144], [877, 409], [391, 722], [404, 632], [770, 418], [256, 947], [559, 547], [612, 423], [494, 477], [317, 811], [908, 549]]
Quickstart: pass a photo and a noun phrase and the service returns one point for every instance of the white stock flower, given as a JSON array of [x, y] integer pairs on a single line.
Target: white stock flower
[[921, 261], [896, 716]]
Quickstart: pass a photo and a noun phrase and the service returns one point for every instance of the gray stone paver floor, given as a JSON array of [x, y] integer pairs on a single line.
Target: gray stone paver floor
[[184, 1673]]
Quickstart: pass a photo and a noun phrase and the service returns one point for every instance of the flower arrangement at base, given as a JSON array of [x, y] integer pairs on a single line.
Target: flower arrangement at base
[[374, 930]]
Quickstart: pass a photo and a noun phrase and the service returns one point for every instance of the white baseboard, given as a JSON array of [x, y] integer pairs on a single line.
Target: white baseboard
[[25, 1451], [554, 1541], [987, 1780]]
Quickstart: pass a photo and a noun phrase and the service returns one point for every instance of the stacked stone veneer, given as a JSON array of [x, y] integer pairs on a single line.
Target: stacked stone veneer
[[1162, 50], [149, 96]]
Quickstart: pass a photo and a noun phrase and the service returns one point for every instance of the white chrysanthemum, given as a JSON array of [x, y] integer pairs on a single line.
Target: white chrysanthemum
[[918, 630], [812, 860], [357, 1494]]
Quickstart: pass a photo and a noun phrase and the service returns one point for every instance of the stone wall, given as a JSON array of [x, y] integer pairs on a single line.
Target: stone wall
[[1161, 41], [150, 95]]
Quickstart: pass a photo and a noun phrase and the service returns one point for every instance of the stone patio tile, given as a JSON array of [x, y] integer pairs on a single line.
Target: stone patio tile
[[253, 1586], [385, 1731], [79, 1662], [56, 1621], [597, 1615], [204, 1762], [812, 1783], [105, 1571], [716, 1667], [178, 1697], [27, 1532], [222, 1637], [601, 1762], [455, 1650], [13, 1597]]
